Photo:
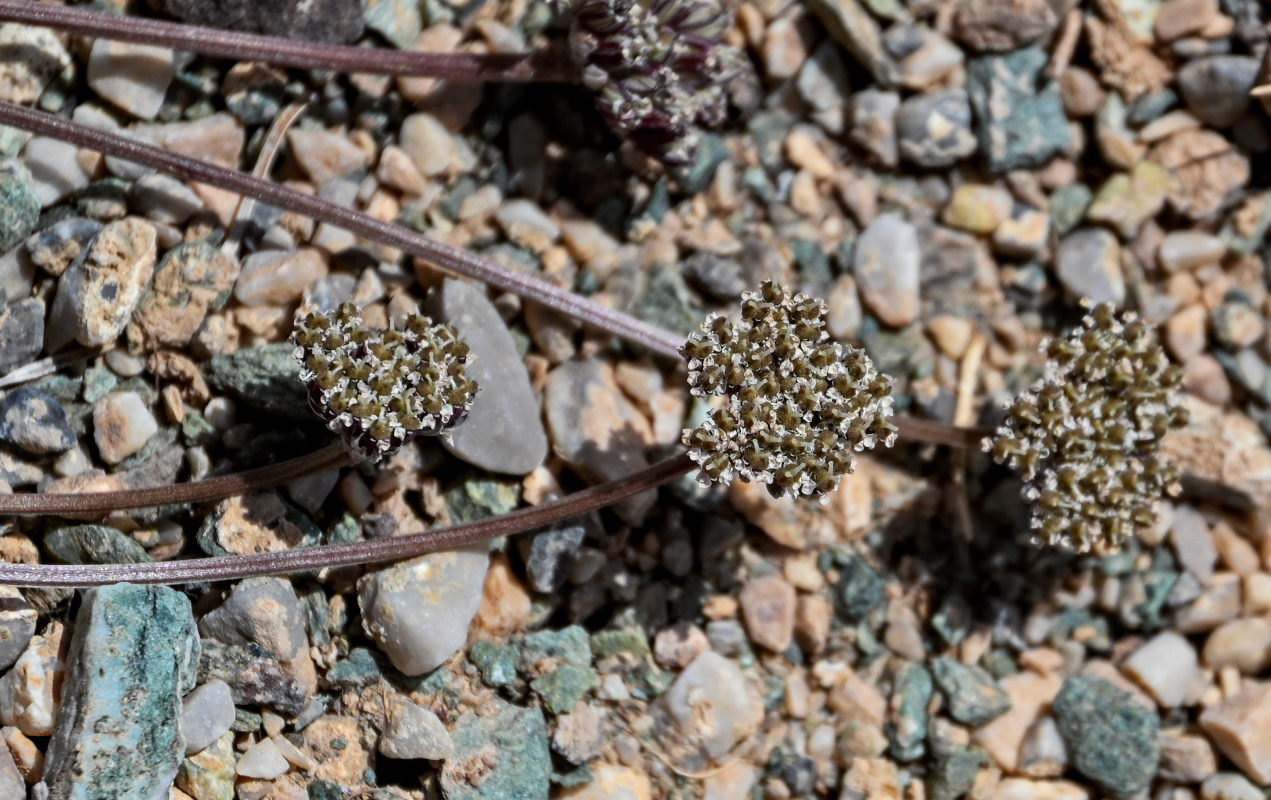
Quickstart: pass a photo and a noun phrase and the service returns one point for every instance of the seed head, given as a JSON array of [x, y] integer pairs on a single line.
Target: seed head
[[657, 66], [797, 404], [380, 389], [1087, 437]]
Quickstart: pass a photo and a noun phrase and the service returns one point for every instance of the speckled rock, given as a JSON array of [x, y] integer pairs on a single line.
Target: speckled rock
[[44, 58], [411, 731], [1088, 264], [934, 129], [418, 612], [93, 544], [122, 424], [265, 377], [504, 430], [998, 25], [17, 625], [206, 714], [266, 612], [133, 656], [1020, 119], [1111, 738], [34, 422], [19, 204], [191, 279], [97, 294], [973, 698], [255, 678], [29, 691], [21, 333], [325, 21], [507, 746], [132, 77], [886, 265], [56, 247]]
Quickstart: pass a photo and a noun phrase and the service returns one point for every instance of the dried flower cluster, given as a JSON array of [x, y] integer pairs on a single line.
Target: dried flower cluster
[[380, 389], [797, 404], [657, 66], [1087, 438]]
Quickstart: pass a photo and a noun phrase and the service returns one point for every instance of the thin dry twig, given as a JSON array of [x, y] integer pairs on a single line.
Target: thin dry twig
[[47, 366], [264, 165], [217, 43]]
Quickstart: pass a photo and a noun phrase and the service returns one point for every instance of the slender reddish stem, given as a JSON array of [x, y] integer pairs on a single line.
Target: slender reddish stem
[[444, 256], [288, 52], [372, 551], [217, 488]]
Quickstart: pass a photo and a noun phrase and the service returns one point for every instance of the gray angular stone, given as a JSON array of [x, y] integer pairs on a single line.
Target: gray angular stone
[[132, 657], [411, 731], [1088, 264], [17, 625], [972, 697], [206, 715], [1019, 115], [94, 544], [56, 247], [856, 31], [263, 611], [873, 124], [315, 20], [418, 612], [511, 745], [1216, 88], [504, 429], [34, 422], [266, 377], [907, 723], [550, 554], [1111, 739], [934, 129], [255, 678], [21, 333]]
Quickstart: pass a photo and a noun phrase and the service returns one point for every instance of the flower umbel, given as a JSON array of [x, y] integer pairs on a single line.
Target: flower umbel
[[797, 404], [380, 389], [1087, 437], [657, 66]]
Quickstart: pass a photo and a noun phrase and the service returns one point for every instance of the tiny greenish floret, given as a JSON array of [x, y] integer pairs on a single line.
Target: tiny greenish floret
[[379, 389], [796, 404], [657, 66], [1087, 437]]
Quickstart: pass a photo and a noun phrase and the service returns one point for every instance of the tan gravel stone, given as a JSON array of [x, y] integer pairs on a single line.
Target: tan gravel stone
[[1031, 695], [768, 608], [1241, 729]]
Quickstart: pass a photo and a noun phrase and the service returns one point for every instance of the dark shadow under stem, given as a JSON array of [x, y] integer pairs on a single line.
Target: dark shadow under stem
[[218, 43], [373, 551]]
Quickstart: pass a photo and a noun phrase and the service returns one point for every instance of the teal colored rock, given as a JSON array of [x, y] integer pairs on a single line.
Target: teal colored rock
[[954, 774], [665, 300], [858, 591], [19, 207], [562, 688], [568, 645], [359, 668], [1111, 739], [479, 496], [627, 639], [695, 177], [133, 656], [972, 696], [1019, 115], [94, 544], [496, 661], [561, 662], [266, 377], [398, 21], [907, 725], [512, 748]]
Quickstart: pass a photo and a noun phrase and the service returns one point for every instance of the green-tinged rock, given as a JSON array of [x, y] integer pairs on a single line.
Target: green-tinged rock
[[907, 724], [1020, 120], [190, 280], [626, 639], [695, 177], [19, 206], [325, 790], [478, 496], [971, 694], [954, 774], [952, 620], [359, 668], [1068, 205], [94, 544], [665, 300], [1111, 739], [568, 646], [495, 661], [196, 431], [562, 688], [133, 656], [859, 589], [502, 755], [1126, 201], [265, 377], [209, 773]]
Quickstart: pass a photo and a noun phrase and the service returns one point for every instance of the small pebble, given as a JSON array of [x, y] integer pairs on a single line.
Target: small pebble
[[1088, 264], [767, 606], [34, 422], [262, 760], [413, 732], [206, 714], [122, 424], [886, 266]]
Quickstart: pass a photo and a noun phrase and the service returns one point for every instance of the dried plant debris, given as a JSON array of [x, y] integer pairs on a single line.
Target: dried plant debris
[[381, 389], [797, 405], [1087, 438], [658, 68]]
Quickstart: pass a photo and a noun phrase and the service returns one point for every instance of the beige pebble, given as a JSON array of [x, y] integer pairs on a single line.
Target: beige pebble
[[1241, 729]]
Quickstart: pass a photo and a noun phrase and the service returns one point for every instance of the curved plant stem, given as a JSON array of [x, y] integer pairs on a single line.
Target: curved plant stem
[[288, 52], [372, 551], [441, 255], [216, 488]]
